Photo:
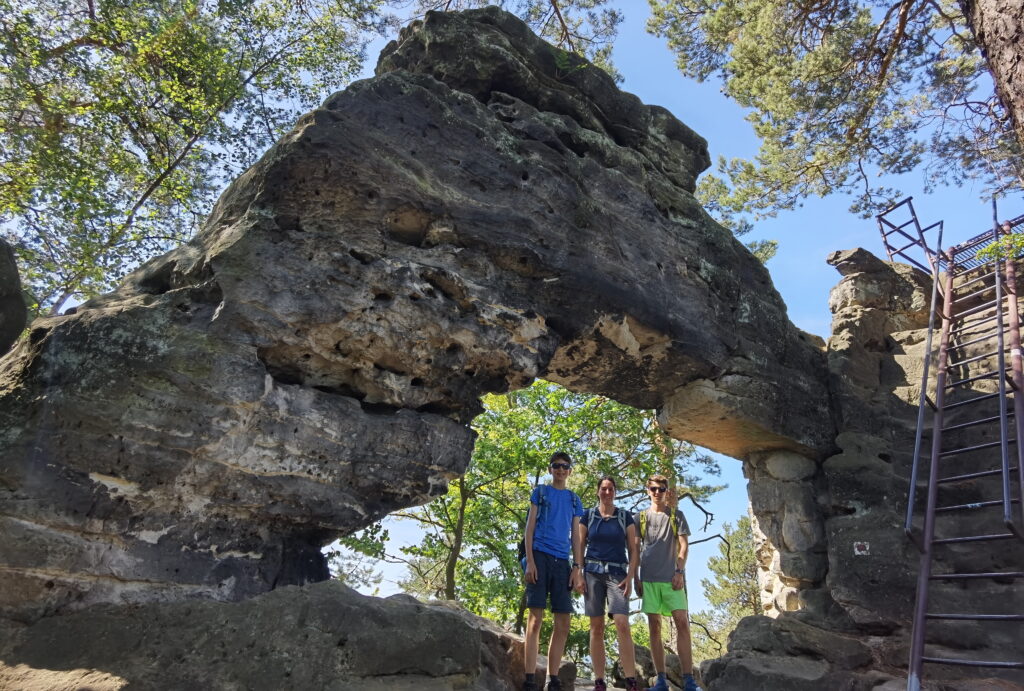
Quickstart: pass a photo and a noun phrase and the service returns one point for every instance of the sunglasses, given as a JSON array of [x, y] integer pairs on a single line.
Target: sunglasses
[[657, 490], [560, 466]]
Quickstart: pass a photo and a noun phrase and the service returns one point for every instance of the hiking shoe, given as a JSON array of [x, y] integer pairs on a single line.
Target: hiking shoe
[[632, 686], [530, 686], [690, 684], [599, 685], [660, 685], [555, 684]]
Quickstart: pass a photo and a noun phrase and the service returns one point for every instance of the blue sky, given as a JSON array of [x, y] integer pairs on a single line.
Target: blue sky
[[806, 235]]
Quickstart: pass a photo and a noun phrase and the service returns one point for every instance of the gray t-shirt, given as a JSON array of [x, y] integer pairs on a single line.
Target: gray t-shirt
[[659, 548]]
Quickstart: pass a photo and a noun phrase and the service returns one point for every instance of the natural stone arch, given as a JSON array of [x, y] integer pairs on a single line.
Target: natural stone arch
[[309, 362]]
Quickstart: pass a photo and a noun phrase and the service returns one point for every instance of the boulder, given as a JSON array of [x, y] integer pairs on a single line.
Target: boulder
[[325, 636]]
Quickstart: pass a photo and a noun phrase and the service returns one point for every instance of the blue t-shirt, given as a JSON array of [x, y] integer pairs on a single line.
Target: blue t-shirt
[[606, 538], [555, 510]]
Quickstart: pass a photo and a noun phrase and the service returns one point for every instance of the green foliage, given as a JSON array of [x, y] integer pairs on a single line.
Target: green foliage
[[733, 593], [121, 120], [353, 559], [1011, 245], [841, 91], [468, 550]]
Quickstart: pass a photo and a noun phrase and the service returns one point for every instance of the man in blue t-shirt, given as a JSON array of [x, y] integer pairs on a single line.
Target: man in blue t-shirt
[[552, 533]]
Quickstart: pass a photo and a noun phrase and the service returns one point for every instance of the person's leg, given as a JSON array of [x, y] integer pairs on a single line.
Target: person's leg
[[627, 654], [597, 646], [532, 643], [657, 646], [556, 648], [682, 620], [536, 602]]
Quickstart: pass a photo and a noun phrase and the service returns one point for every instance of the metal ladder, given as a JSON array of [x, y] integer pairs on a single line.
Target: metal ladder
[[979, 313]]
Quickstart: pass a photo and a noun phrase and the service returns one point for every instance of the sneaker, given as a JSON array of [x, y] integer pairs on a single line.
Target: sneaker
[[530, 686], [631, 685], [555, 684], [599, 685], [690, 684], [660, 685]]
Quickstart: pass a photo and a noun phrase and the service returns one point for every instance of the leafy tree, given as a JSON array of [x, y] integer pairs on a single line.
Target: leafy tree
[[353, 559], [733, 593], [121, 120], [467, 552], [842, 91]]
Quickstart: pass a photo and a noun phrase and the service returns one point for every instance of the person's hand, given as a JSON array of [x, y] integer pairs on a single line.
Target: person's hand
[[677, 581], [577, 581], [638, 586], [625, 585], [531, 572]]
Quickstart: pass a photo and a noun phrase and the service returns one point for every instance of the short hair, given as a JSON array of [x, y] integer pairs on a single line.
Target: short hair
[[608, 478], [660, 479], [560, 456]]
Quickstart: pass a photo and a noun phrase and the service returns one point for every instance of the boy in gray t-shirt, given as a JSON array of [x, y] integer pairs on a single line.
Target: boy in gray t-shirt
[[662, 532]]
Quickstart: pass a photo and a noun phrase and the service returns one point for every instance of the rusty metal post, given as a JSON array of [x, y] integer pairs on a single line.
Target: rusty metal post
[[921, 608]]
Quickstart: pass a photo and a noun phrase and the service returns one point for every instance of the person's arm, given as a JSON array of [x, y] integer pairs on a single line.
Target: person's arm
[[638, 547], [684, 549], [531, 524], [634, 561], [576, 579]]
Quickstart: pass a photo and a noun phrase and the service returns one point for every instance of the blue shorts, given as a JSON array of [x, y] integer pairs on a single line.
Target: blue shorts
[[552, 579]]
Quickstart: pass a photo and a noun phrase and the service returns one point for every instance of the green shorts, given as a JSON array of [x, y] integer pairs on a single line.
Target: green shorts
[[659, 598]]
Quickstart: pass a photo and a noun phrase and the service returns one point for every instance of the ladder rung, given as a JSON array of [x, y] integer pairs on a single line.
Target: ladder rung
[[980, 291], [973, 663], [975, 280], [976, 377], [973, 324], [976, 447], [958, 363], [967, 576], [978, 617], [964, 425], [972, 341], [973, 538], [974, 505], [977, 308], [973, 476], [970, 400]]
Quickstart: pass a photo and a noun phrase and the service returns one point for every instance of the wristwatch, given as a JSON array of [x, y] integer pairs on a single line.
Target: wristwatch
[[681, 572], [575, 565]]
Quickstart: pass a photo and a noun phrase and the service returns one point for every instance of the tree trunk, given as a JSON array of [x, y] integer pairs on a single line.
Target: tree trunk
[[457, 537], [998, 27]]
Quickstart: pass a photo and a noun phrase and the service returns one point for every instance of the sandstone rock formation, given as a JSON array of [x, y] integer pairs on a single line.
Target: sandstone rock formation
[[473, 217], [847, 627], [12, 305], [293, 638]]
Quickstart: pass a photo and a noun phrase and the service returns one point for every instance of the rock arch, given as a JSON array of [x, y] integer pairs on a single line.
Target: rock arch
[[473, 217]]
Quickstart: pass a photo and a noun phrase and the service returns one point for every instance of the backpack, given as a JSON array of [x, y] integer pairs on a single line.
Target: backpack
[[593, 515], [643, 523], [521, 546]]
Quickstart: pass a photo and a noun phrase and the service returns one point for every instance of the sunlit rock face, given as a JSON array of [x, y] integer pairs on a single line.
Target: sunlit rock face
[[484, 211]]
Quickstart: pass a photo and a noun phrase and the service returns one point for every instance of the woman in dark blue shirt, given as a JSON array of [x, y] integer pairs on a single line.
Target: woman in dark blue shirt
[[610, 563]]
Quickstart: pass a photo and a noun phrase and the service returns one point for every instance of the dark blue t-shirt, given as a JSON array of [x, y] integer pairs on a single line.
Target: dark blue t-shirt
[[555, 510], [606, 538]]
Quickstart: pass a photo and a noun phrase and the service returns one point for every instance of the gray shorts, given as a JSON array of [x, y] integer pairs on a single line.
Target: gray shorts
[[603, 587]]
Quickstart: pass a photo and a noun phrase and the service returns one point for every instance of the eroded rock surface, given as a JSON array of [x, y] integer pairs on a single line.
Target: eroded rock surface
[[315, 637], [475, 216], [842, 605], [13, 312]]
